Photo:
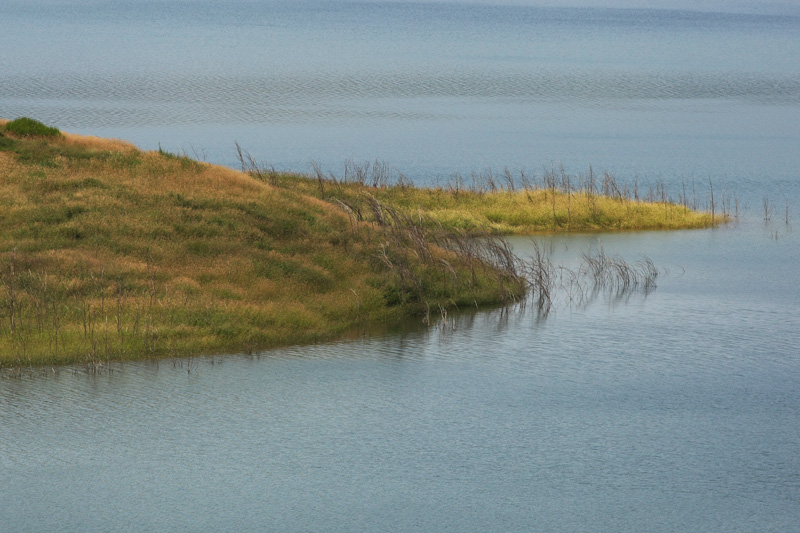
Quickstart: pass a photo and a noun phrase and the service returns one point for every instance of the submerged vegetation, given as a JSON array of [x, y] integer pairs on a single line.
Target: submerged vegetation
[[108, 252]]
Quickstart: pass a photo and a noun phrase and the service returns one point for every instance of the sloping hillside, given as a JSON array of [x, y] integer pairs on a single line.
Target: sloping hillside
[[108, 252]]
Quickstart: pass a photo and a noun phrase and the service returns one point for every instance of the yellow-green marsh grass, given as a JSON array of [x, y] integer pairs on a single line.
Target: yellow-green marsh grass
[[506, 211]]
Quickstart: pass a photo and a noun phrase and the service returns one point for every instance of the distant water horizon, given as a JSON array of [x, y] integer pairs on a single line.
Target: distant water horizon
[[432, 89]]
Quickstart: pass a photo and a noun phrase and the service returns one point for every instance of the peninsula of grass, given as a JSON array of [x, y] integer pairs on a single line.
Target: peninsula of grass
[[503, 211], [111, 253], [503, 204]]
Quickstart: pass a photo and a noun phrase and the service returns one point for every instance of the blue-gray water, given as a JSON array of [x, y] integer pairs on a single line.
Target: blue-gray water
[[674, 410], [431, 88]]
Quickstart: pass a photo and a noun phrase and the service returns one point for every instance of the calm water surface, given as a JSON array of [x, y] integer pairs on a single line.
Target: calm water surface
[[673, 410], [431, 88]]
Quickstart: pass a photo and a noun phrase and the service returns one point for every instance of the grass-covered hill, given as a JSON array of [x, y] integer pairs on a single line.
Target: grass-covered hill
[[108, 252]]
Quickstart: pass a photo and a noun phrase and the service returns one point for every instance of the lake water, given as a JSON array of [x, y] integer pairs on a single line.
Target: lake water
[[672, 410]]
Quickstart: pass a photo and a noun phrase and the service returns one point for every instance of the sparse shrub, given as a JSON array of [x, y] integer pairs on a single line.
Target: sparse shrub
[[31, 128]]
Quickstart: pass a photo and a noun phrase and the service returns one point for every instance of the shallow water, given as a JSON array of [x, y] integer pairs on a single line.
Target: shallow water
[[674, 409]]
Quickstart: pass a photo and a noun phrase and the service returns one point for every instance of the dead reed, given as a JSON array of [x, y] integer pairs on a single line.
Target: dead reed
[[616, 274]]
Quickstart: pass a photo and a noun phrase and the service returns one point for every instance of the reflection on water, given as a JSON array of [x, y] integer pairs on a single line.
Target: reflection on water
[[670, 410]]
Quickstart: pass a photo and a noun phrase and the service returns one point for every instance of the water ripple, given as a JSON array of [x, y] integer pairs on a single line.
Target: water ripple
[[128, 99]]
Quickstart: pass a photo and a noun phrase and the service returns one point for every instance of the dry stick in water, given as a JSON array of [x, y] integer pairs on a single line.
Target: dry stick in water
[[711, 185]]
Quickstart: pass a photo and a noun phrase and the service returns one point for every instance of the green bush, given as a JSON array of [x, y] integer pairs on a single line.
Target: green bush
[[30, 127]]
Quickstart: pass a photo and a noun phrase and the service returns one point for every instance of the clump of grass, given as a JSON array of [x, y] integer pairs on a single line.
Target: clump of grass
[[597, 273], [29, 127], [541, 275], [616, 274]]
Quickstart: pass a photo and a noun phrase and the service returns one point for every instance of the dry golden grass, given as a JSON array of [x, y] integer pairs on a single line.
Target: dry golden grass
[[99, 143], [107, 252]]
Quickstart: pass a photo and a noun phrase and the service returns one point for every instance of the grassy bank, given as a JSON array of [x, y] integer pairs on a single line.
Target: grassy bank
[[107, 252], [503, 205], [110, 253]]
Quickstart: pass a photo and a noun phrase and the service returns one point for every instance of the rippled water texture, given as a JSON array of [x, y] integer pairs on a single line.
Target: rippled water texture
[[676, 409], [429, 88]]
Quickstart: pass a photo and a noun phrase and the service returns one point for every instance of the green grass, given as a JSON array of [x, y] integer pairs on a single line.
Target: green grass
[[31, 128]]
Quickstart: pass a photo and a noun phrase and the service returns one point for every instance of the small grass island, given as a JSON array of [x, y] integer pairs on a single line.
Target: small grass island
[[111, 253]]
